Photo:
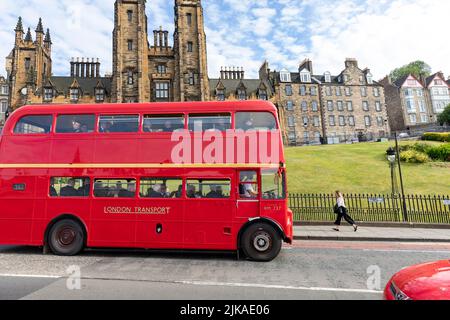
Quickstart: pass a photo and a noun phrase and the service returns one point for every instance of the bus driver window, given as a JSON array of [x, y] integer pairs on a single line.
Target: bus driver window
[[248, 185]]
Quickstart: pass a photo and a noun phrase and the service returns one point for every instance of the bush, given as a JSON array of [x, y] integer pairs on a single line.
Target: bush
[[439, 153], [413, 156], [442, 137]]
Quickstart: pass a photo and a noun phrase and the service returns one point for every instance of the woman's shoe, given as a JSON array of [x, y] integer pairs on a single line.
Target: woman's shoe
[[356, 228]]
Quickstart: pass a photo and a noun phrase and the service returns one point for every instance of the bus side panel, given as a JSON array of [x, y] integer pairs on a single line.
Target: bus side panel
[[25, 149], [156, 141], [69, 149], [124, 148], [16, 209]]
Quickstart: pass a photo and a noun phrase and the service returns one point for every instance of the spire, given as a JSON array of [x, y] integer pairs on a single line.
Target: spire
[[40, 28], [48, 38], [28, 37], [19, 27]]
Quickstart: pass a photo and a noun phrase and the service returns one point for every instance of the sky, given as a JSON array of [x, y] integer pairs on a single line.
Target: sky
[[381, 34]]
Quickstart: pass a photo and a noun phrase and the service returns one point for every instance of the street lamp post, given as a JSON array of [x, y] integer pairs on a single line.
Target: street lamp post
[[391, 157], [405, 214]]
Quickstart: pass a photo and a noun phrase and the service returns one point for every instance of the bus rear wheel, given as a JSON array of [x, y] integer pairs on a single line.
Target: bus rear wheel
[[261, 242], [66, 238]]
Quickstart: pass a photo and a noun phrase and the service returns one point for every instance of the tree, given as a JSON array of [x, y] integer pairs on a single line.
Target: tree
[[417, 68], [444, 117]]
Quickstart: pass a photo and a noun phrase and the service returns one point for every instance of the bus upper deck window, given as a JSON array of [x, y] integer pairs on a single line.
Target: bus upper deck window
[[255, 121], [119, 124], [75, 124], [163, 123], [210, 122], [34, 125]]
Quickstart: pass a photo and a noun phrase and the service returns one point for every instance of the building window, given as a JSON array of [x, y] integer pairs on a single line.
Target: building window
[[162, 90], [130, 45], [351, 121], [162, 69], [313, 91], [290, 105], [380, 121], [303, 90], [292, 138], [315, 106], [242, 94], [5, 90], [342, 121], [378, 106], [366, 106], [130, 79], [262, 94], [189, 19], [288, 90], [368, 121], [348, 91], [191, 78], [220, 94], [330, 105], [328, 91], [130, 15], [419, 92], [48, 94], [327, 77], [338, 91], [305, 77], [291, 121], [340, 106], [363, 91], [27, 63], [304, 106], [285, 76], [4, 106], [422, 106], [332, 121], [316, 121], [424, 118], [190, 47], [305, 121], [413, 118], [376, 92], [369, 78], [99, 95], [350, 106], [410, 106], [74, 95]]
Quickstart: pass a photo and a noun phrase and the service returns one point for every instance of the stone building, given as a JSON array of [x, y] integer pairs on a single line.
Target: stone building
[[439, 94], [4, 99], [297, 95], [141, 72]]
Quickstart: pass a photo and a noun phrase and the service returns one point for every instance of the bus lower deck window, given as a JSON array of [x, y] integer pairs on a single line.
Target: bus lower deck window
[[69, 187], [208, 189], [161, 188], [115, 188], [248, 184]]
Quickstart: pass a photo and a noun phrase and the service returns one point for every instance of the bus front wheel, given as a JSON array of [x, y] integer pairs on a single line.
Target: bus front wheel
[[261, 242], [66, 238]]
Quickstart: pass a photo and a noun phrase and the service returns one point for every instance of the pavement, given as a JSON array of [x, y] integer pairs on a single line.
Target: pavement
[[382, 234]]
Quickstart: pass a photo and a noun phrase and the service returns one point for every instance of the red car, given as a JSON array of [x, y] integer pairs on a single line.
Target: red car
[[430, 281]]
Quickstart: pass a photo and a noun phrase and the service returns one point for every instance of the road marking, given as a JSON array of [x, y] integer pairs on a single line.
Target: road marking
[[252, 285], [29, 276], [407, 251], [211, 284]]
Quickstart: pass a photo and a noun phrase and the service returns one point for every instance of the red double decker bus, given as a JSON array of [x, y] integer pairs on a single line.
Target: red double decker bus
[[200, 176]]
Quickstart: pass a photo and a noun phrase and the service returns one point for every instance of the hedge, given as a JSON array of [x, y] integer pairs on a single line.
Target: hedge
[[432, 136]]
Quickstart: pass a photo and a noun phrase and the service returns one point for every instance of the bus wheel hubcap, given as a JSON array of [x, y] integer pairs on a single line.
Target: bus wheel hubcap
[[262, 242], [66, 236]]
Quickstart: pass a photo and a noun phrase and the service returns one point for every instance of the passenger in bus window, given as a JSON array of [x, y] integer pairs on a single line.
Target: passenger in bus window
[[84, 129], [248, 125], [168, 126], [164, 191], [105, 127], [192, 193], [247, 189], [178, 193], [76, 126], [53, 192], [155, 191], [69, 190], [84, 190], [100, 191], [130, 192], [148, 126]]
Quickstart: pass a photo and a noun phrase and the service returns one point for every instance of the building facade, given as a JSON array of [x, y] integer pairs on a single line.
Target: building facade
[[141, 72], [414, 104], [4, 99]]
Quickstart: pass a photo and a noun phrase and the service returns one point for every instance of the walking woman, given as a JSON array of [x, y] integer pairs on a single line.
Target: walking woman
[[342, 212]]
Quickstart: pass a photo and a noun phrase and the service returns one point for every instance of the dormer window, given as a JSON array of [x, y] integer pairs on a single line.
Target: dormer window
[[220, 94], [48, 94], [369, 78], [130, 79], [285, 76], [74, 94], [130, 15], [99, 95], [327, 77], [262, 94], [305, 76], [242, 94]]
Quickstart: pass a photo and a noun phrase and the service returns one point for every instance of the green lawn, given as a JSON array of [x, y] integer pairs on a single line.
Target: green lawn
[[359, 168]]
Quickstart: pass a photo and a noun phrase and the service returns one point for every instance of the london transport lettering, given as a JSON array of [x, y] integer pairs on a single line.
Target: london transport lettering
[[138, 210]]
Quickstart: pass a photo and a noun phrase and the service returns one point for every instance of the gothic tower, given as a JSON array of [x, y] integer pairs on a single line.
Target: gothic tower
[[130, 52], [29, 64], [191, 72]]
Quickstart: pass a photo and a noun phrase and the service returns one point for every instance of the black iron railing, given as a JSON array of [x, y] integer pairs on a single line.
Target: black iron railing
[[373, 208]]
